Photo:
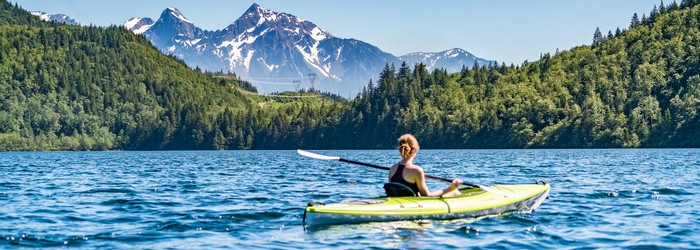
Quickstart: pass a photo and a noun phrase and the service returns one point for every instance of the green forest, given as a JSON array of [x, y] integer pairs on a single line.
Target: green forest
[[92, 88]]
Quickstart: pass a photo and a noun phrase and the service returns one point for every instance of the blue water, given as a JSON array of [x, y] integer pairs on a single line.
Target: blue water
[[641, 198]]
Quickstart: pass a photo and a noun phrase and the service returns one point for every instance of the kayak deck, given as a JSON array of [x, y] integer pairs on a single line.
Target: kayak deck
[[473, 202]]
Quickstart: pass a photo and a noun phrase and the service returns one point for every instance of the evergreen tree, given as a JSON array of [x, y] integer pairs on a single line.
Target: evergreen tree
[[662, 7], [635, 21], [91, 88], [673, 6], [597, 37]]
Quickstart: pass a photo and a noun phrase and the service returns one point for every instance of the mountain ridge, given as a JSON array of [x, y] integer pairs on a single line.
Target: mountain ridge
[[271, 48], [95, 88], [451, 60], [59, 18]]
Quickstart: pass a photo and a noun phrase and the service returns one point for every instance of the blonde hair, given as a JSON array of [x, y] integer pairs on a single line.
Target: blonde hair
[[408, 145]]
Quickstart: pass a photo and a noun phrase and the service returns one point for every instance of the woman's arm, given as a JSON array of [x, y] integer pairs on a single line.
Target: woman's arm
[[423, 188], [392, 171]]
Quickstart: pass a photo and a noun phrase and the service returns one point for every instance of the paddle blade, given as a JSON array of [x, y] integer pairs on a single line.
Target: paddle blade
[[316, 156]]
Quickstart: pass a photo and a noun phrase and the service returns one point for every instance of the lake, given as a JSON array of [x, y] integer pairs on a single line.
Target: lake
[[606, 198]]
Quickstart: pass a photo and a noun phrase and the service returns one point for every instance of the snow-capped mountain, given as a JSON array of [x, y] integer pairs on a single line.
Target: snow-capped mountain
[[176, 35], [272, 46], [271, 50], [59, 18], [139, 25], [452, 60], [171, 29]]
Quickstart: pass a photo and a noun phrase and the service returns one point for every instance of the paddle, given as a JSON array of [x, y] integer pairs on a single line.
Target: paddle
[[336, 158]]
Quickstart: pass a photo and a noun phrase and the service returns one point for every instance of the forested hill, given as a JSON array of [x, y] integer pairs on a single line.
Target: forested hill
[[637, 87], [632, 88], [88, 88], [14, 15]]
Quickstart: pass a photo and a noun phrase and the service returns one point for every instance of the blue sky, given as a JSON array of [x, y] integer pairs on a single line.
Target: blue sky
[[503, 30]]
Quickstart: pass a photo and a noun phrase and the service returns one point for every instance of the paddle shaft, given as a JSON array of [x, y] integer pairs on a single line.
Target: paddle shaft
[[386, 168], [336, 158]]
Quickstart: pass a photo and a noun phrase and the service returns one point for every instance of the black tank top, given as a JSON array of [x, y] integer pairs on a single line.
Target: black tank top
[[398, 177]]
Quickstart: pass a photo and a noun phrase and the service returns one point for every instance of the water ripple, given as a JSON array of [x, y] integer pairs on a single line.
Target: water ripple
[[254, 199]]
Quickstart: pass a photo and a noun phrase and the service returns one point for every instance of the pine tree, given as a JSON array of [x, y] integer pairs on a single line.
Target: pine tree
[[662, 7], [673, 6], [635, 21], [597, 37]]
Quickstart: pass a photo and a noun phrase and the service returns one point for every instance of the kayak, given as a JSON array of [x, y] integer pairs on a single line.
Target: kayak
[[474, 202]]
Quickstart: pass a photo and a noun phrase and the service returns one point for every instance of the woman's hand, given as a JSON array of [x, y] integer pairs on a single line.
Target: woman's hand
[[456, 183]]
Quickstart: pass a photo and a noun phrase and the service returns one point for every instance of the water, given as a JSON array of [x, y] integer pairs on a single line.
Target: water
[[643, 198]]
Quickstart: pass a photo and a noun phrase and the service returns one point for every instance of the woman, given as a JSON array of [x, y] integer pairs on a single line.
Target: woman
[[413, 176]]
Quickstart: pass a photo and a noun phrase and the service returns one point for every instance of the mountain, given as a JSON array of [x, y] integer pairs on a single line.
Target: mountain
[[59, 18], [139, 25], [93, 88], [171, 29], [638, 87], [451, 60], [272, 49]]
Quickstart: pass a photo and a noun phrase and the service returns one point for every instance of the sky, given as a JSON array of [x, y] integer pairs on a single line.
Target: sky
[[509, 31]]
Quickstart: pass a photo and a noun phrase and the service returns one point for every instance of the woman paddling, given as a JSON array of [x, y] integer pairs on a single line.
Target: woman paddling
[[413, 176]]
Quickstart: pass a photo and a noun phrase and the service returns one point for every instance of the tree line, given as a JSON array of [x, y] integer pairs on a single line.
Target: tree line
[[632, 88], [90, 88]]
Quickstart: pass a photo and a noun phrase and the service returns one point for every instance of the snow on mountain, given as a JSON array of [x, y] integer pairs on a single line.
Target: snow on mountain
[[172, 27], [271, 49], [258, 28], [59, 18], [176, 13], [452, 60], [139, 25], [42, 15]]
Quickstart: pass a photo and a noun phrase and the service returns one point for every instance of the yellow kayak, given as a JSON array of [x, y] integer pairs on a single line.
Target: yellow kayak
[[474, 202]]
